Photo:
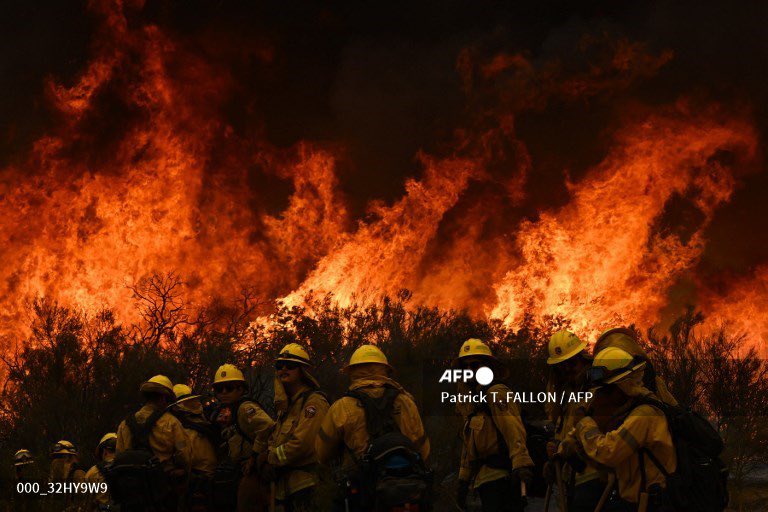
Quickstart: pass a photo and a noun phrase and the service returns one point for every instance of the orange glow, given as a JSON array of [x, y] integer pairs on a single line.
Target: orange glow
[[173, 191]]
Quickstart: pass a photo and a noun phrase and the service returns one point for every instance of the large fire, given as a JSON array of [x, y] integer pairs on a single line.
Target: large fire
[[94, 207]]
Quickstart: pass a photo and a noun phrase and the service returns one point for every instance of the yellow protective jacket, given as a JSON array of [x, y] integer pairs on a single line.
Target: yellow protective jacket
[[167, 440], [344, 424], [202, 452], [565, 418], [63, 470], [251, 433], [292, 443], [199, 432], [480, 438], [95, 476], [644, 427]]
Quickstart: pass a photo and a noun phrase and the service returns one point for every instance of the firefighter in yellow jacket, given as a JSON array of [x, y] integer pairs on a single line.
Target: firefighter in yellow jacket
[[65, 469], [22, 461], [201, 441], [569, 359], [245, 428], [634, 427], [344, 432], [167, 439], [64, 463], [290, 460], [494, 458], [626, 339], [105, 453], [24, 471]]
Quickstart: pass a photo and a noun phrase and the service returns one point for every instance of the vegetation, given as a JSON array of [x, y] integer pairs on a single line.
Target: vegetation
[[77, 376]]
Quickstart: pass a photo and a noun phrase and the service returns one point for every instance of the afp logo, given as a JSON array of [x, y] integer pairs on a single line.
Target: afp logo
[[483, 375]]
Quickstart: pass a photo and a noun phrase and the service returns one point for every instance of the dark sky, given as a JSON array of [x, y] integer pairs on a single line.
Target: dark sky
[[380, 78]]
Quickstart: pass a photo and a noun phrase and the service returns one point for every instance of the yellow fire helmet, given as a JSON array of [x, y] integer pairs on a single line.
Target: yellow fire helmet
[[612, 365], [63, 447], [108, 440], [22, 458], [228, 373], [368, 354], [474, 347], [183, 393], [295, 353], [621, 337], [158, 384], [563, 345]]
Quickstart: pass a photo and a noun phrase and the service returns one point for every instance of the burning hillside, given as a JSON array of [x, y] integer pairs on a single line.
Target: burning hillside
[[156, 157]]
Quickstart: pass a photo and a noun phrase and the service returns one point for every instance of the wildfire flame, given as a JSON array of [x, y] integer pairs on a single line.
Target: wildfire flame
[[174, 187]]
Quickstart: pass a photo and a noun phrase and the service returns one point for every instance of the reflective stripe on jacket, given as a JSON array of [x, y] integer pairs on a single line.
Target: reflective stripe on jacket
[[292, 443], [644, 427]]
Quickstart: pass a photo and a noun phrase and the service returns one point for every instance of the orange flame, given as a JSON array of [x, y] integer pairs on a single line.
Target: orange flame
[[169, 186], [81, 228], [600, 260]]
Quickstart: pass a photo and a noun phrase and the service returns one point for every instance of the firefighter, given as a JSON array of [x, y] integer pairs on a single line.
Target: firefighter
[[633, 428], [153, 431], [202, 442], [23, 465], [569, 360], [65, 463], [626, 339], [65, 469], [245, 428], [344, 430], [167, 440], [494, 458], [290, 459], [105, 453], [22, 460]]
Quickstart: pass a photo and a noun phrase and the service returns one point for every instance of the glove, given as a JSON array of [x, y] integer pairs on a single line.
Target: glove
[[524, 474], [461, 494], [552, 448], [568, 447], [570, 452]]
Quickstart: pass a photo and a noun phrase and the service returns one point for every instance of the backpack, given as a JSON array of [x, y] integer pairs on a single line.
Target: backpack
[[536, 438], [136, 478], [700, 482], [234, 409], [204, 429], [392, 473]]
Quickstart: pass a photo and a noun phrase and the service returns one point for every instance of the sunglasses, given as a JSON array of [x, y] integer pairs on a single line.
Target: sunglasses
[[225, 388], [473, 365], [287, 365], [597, 373]]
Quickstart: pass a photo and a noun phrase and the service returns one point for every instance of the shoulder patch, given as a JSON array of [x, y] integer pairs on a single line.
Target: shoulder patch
[[250, 411], [310, 411]]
